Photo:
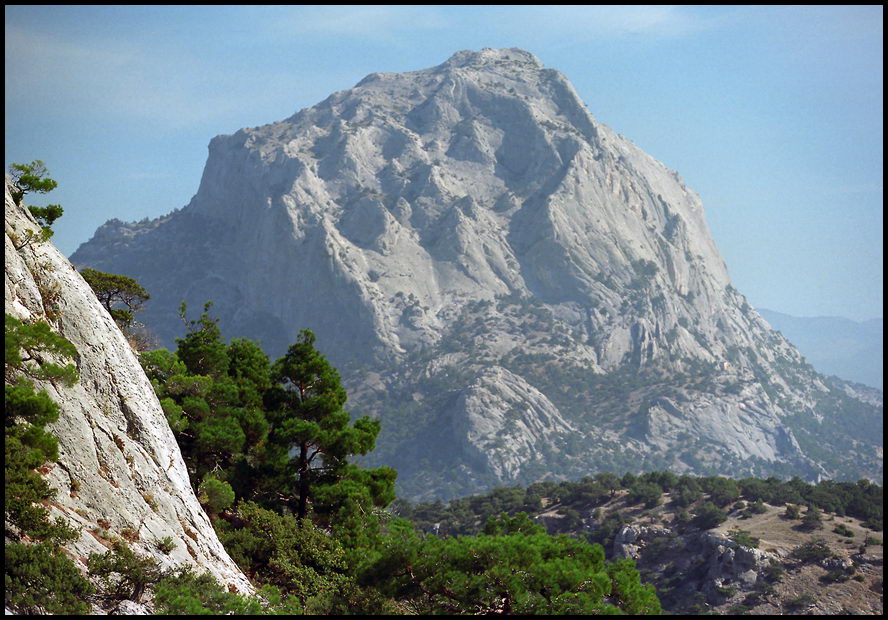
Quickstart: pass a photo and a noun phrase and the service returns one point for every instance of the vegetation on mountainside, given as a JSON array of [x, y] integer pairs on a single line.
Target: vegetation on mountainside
[[268, 446], [33, 178], [30, 178], [38, 576], [705, 497], [112, 290], [421, 389], [674, 560]]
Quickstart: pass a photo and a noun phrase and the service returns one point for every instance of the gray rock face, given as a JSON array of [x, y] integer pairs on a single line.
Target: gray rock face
[[629, 541], [731, 562], [505, 422], [120, 472], [466, 239]]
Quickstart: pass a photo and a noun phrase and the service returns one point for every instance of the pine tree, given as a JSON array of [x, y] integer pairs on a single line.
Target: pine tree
[[309, 421], [113, 289]]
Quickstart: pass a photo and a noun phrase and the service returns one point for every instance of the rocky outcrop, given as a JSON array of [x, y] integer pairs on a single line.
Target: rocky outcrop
[[710, 563], [505, 422], [119, 472], [475, 216], [732, 563], [629, 540]]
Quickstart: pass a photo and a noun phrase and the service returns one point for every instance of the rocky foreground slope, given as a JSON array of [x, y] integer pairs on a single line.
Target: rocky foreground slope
[[120, 473], [517, 291]]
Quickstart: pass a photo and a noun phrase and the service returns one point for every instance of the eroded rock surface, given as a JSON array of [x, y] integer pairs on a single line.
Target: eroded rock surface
[[120, 472]]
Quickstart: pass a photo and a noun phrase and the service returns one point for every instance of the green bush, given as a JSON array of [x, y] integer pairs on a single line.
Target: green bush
[[743, 537], [293, 555], [648, 493], [215, 495], [708, 516], [836, 575], [802, 601], [774, 572], [28, 446], [812, 551], [185, 593], [41, 579], [813, 519], [122, 573], [166, 544], [517, 568]]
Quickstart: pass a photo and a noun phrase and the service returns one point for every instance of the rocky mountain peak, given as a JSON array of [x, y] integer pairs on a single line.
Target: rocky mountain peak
[[488, 56], [431, 225]]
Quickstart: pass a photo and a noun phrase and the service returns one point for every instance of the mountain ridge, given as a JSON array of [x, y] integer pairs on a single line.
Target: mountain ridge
[[836, 345]]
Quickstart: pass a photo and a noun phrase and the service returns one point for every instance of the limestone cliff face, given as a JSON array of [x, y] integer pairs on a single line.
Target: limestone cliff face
[[119, 467], [434, 226]]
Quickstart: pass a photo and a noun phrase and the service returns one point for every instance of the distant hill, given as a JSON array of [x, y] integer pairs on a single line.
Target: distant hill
[[834, 345]]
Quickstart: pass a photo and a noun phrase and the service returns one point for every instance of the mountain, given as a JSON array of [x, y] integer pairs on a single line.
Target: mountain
[[834, 345], [120, 472], [516, 290]]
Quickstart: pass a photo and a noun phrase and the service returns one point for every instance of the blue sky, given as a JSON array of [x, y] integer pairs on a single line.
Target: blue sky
[[774, 115]]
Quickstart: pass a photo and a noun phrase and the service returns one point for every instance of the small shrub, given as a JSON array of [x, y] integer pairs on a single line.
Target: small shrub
[[166, 544], [185, 593], [215, 495], [843, 530], [805, 600], [836, 575], [774, 572], [873, 523], [726, 591], [812, 551], [50, 295], [149, 499], [813, 519], [792, 512], [758, 507], [122, 573], [708, 516], [743, 537]]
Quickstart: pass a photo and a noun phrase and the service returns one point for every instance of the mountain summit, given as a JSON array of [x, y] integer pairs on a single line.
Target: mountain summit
[[515, 289]]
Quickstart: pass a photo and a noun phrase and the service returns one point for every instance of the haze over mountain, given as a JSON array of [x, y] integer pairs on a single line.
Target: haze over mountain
[[516, 290], [835, 345]]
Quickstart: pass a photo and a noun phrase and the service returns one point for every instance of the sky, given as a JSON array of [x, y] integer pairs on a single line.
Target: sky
[[774, 115]]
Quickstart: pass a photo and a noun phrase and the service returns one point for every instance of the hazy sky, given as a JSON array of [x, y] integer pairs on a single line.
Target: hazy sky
[[772, 114]]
